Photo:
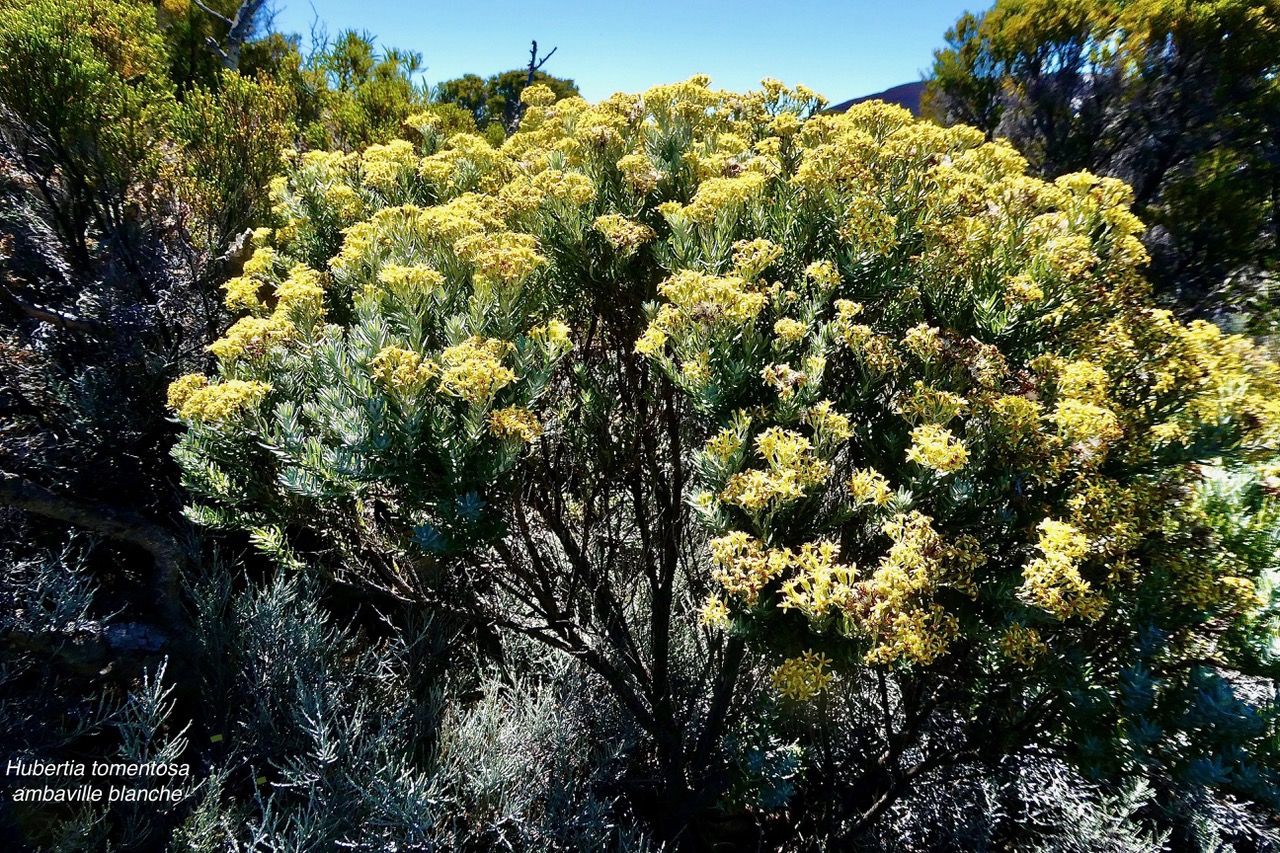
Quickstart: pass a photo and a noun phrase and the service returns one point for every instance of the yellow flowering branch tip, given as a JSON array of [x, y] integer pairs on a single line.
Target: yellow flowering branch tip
[[802, 678]]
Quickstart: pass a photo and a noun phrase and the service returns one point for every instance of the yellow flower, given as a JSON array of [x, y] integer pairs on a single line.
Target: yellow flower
[[697, 371], [821, 584], [725, 444], [930, 405], [1052, 581], [718, 195], [924, 341], [752, 257], [783, 379], [385, 166], [554, 333], [713, 298], [639, 173], [180, 390], [714, 612], [515, 422], [538, 95], [869, 486], [802, 678], [622, 233], [405, 279], [1022, 290], [824, 273], [784, 124], [572, 187], [741, 565], [1022, 645], [251, 337], [301, 294], [473, 369], [242, 293], [402, 370], [507, 257], [935, 447], [828, 424], [651, 342], [195, 399], [790, 331]]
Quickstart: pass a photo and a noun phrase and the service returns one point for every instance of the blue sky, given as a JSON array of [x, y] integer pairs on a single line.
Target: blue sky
[[842, 50]]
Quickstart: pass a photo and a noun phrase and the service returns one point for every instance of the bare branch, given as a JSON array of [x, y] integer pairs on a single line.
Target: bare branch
[[215, 13], [53, 316], [121, 524]]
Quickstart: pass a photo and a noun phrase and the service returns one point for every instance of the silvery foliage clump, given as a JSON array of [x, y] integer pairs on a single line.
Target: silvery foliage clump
[[363, 743]]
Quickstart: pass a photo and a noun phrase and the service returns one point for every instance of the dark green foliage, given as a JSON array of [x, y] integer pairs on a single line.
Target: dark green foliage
[[496, 101], [353, 96]]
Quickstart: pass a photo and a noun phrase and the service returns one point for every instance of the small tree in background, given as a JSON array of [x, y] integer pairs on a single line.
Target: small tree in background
[[495, 102]]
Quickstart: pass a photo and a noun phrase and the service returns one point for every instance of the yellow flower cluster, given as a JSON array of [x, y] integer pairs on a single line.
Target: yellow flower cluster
[[1022, 645], [877, 352], [793, 469], [301, 295], [386, 166], [468, 163], [742, 565], [828, 424], [802, 678], [652, 341], [1022, 289], [899, 619], [622, 233], [725, 444], [930, 405], [697, 370], [790, 331], [573, 187], [1016, 416], [722, 195], [784, 379], [1052, 582], [710, 298], [473, 369], [868, 225], [714, 612], [868, 486], [923, 341], [195, 399], [251, 337], [402, 370], [825, 274], [243, 291], [936, 447], [506, 258], [516, 423], [553, 333], [638, 171], [410, 279], [1085, 423], [820, 584], [752, 257]]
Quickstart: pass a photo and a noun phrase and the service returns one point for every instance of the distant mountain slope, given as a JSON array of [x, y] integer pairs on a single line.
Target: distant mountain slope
[[906, 95]]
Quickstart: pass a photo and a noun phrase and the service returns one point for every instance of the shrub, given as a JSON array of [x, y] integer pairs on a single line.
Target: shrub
[[895, 418]]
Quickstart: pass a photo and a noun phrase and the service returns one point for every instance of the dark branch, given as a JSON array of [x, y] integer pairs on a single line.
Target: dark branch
[[120, 524]]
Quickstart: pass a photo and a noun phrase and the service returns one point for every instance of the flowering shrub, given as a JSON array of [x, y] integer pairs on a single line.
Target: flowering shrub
[[919, 402]]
